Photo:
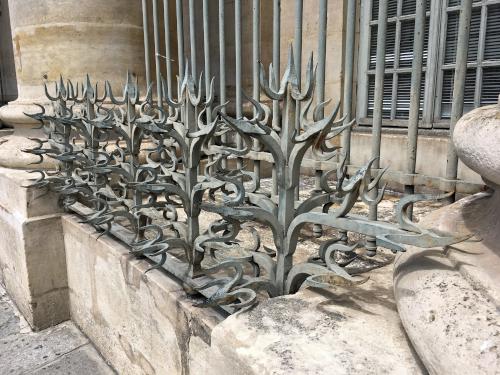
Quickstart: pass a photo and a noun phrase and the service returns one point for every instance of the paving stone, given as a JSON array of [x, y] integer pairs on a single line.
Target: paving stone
[[22, 352], [82, 361], [9, 321], [62, 349]]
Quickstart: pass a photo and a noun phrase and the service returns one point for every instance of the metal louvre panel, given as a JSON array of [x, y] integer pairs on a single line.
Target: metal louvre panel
[[390, 46], [453, 3], [406, 45], [489, 81], [492, 42], [491, 85], [409, 7], [403, 95], [447, 92], [392, 9], [452, 36], [386, 106]]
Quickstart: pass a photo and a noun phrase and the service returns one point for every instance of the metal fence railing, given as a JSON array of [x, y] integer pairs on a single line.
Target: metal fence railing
[[150, 168], [220, 27]]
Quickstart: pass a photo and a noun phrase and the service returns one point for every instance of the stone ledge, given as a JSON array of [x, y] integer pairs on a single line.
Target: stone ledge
[[144, 323], [318, 332], [25, 202]]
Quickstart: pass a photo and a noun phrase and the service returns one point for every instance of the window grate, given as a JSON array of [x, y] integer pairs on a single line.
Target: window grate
[[482, 84]]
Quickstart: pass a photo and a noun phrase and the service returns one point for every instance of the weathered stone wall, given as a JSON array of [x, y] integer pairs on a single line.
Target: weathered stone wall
[[32, 261], [334, 41], [431, 155]]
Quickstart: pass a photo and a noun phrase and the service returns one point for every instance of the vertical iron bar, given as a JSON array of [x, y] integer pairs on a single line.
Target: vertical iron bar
[[255, 77], [348, 76], [416, 78], [395, 65], [180, 38], [208, 73], [237, 42], [146, 41], [320, 87], [320, 72], [457, 107], [299, 8], [192, 39], [222, 67], [276, 69], [156, 35], [206, 51], [480, 55], [168, 58], [371, 246], [191, 173], [348, 81]]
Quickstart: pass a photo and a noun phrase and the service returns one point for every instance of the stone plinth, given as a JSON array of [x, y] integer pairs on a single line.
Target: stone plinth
[[32, 261], [71, 38], [448, 299], [143, 323]]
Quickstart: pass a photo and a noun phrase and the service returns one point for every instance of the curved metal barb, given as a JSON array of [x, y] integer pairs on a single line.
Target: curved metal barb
[[135, 165]]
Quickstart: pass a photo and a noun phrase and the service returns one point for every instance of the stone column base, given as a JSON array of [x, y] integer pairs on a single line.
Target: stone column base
[[13, 114]]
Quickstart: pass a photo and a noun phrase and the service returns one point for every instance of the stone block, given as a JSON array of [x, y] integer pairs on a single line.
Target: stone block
[[32, 261], [13, 156], [318, 332], [144, 323], [21, 201]]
